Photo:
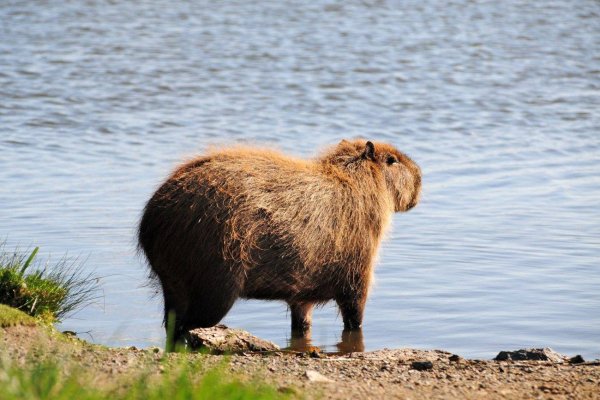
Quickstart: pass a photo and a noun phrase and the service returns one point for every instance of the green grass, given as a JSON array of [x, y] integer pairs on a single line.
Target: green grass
[[28, 289], [49, 292], [11, 317], [49, 381], [53, 369]]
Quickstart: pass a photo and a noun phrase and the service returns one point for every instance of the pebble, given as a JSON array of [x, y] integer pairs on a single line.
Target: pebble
[[315, 354], [422, 365], [314, 376]]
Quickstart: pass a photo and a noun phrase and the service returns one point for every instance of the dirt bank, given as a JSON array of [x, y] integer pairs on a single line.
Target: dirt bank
[[372, 375]]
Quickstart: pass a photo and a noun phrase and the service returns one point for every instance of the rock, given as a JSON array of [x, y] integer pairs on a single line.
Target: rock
[[576, 360], [455, 358], [422, 365], [314, 376], [316, 353], [220, 339], [545, 354]]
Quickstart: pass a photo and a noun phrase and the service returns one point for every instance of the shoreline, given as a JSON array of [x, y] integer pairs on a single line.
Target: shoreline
[[399, 373]]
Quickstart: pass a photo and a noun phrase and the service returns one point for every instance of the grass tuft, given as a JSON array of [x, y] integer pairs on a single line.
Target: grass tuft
[[47, 292]]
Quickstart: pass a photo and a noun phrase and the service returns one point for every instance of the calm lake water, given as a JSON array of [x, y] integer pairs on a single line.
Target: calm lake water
[[499, 102]]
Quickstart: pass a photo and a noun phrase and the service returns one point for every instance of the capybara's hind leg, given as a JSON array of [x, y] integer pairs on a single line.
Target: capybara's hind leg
[[301, 318], [174, 312]]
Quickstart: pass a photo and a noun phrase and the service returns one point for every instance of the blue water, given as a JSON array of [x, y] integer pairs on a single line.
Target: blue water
[[497, 101]]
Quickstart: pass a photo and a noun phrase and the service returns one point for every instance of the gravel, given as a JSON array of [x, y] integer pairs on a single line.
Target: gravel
[[401, 373]]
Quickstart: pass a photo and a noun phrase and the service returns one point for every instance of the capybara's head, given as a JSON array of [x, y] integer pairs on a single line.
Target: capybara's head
[[402, 175]]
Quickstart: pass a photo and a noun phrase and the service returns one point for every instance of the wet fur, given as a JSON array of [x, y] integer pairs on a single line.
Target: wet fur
[[254, 223]]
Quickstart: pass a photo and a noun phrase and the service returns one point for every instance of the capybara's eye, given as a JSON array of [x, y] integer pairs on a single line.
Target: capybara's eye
[[391, 160]]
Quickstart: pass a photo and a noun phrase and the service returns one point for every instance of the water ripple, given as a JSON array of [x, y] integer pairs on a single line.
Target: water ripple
[[98, 101]]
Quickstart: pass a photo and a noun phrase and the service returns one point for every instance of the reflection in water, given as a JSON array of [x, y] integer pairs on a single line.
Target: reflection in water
[[300, 342], [501, 111], [351, 341]]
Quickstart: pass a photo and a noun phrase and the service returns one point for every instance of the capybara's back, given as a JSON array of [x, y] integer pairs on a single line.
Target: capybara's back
[[254, 223]]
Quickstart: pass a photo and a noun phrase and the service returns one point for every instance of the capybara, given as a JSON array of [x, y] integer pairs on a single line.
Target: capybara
[[257, 224]]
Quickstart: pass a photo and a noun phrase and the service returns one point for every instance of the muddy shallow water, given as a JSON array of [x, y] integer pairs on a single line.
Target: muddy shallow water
[[498, 103]]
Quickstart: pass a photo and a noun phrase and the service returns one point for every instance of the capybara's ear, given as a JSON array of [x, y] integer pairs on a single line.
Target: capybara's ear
[[369, 152]]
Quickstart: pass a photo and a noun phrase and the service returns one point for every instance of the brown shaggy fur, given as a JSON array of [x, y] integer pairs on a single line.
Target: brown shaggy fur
[[255, 223]]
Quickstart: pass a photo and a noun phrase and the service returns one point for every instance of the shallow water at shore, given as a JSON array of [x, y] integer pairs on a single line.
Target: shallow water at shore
[[498, 103]]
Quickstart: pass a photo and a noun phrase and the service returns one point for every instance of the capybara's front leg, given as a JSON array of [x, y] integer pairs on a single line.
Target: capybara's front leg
[[301, 318], [352, 309]]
